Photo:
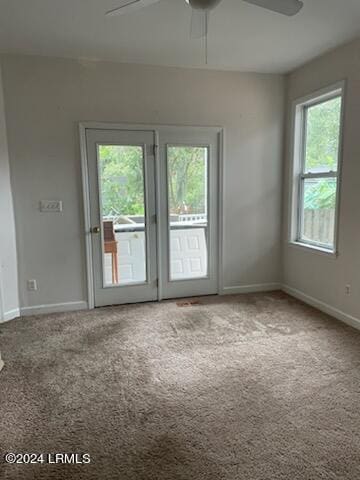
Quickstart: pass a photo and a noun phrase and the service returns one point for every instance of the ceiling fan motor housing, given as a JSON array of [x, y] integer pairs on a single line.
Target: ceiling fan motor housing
[[203, 4]]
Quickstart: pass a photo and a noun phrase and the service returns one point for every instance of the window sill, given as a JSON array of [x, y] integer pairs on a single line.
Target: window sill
[[314, 249]]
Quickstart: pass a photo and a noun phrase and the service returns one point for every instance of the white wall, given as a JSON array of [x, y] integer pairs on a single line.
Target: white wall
[[46, 98], [9, 298], [321, 276]]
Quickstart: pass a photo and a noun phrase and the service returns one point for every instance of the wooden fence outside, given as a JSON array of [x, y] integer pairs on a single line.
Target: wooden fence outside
[[319, 225]]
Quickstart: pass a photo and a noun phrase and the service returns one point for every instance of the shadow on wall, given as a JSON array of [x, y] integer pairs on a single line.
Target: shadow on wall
[[263, 265]]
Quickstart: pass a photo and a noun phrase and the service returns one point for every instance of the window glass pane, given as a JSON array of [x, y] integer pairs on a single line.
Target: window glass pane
[[322, 136], [121, 182], [318, 212], [188, 211]]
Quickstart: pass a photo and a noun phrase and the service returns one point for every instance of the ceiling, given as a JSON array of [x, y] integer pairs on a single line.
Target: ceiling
[[242, 37]]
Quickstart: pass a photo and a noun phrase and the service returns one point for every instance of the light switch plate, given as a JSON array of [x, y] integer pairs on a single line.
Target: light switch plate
[[51, 206]]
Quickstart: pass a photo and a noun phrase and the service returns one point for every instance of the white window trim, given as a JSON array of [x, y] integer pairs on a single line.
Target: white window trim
[[297, 133]]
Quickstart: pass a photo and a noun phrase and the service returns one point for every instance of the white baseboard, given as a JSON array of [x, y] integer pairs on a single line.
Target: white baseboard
[[53, 308], [258, 287], [324, 307], [10, 315]]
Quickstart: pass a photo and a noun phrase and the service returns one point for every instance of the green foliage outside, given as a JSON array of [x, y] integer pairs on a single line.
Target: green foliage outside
[[186, 177], [320, 194], [322, 145], [122, 183]]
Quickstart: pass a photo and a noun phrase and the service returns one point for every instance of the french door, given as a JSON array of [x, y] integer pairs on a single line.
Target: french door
[[188, 211], [153, 213]]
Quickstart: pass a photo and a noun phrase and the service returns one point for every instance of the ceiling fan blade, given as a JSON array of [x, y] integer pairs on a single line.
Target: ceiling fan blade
[[199, 23], [286, 7], [127, 6]]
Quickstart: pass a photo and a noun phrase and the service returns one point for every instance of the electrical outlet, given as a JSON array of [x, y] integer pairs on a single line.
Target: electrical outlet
[[348, 289], [32, 285]]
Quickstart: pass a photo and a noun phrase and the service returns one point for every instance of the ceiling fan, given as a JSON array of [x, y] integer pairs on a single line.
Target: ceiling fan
[[202, 8]]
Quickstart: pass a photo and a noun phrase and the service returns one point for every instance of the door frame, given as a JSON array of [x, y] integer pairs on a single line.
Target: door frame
[[155, 128]]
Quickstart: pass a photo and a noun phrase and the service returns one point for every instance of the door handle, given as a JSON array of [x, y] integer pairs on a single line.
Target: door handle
[[95, 230]]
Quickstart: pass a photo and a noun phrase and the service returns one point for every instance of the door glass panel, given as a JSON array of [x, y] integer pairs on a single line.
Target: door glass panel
[[122, 211], [187, 177]]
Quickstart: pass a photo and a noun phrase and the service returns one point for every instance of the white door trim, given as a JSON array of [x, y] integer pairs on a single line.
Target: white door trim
[[83, 126]]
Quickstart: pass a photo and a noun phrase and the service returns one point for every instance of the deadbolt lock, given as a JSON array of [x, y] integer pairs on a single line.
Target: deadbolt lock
[[95, 230]]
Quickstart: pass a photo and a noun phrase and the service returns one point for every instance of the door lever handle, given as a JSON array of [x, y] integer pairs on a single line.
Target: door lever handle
[[95, 230]]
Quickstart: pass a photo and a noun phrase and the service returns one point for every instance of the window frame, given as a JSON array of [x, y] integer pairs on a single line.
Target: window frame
[[298, 173]]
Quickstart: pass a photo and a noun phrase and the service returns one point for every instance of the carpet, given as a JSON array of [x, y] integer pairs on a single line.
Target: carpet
[[244, 387]]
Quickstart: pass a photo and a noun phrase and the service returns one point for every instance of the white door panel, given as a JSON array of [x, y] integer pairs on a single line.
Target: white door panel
[[189, 253], [132, 256]]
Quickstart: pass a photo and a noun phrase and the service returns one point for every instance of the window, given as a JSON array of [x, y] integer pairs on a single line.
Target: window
[[316, 169]]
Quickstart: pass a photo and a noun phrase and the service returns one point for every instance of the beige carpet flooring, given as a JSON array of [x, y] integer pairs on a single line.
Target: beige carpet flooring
[[247, 387]]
